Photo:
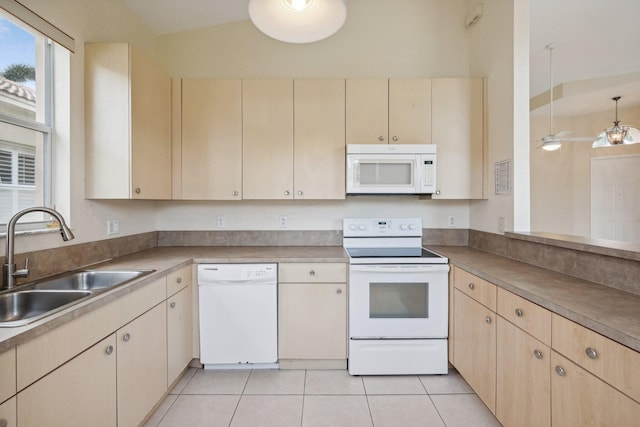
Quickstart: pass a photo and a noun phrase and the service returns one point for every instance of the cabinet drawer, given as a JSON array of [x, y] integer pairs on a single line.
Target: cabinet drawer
[[8, 374], [477, 288], [612, 362], [526, 315], [312, 273], [178, 280]]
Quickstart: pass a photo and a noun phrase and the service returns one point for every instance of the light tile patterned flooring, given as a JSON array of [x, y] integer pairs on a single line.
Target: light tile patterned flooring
[[310, 398]]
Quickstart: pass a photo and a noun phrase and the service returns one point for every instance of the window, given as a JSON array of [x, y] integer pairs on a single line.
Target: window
[[26, 96]]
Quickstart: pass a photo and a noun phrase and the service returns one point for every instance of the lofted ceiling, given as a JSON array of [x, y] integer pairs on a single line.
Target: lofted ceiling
[[592, 38]]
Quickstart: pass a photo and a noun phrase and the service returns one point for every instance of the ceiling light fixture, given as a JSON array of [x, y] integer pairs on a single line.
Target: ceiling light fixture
[[617, 135], [298, 21]]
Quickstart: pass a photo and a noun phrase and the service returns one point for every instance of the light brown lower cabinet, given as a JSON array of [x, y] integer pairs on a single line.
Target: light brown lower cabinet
[[523, 382], [179, 333], [580, 399], [142, 365], [475, 346], [82, 392]]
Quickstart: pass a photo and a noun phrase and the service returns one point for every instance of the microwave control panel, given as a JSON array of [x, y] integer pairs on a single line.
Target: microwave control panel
[[428, 173]]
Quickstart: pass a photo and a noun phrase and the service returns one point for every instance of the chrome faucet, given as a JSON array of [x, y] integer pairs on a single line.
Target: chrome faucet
[[9, 270]]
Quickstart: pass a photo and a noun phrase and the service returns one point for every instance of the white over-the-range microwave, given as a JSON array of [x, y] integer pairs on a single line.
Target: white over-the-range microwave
[[391, 168]]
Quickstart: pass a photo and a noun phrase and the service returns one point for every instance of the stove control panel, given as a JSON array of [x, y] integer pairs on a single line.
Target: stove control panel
[[380, 227]]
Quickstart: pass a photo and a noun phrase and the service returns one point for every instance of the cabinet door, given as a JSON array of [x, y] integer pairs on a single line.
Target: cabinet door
[[82, 392], [475, 346], [523, 386], [179, 333], [142, 365], [212, 139], [8, 374], [8, 416], [458, 131], [367, 105], [410, 111], [319, 126], [150, 129], [267, 146], [312, 321], [580, 399]]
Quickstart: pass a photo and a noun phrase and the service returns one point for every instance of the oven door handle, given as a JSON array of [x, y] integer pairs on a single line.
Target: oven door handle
[[399, 268]]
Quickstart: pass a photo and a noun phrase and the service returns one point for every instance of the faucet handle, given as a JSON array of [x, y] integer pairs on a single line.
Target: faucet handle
[[23, 272]]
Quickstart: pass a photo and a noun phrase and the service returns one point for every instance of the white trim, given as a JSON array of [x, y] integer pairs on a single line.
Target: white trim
[[34, 20]]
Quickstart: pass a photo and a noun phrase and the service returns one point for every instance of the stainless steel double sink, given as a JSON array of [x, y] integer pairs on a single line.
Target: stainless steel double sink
[[33, 301]]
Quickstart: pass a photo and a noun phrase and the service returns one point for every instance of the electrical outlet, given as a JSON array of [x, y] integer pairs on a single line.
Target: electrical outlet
[[220, 222], [282, 221], [452, 221], [113, 227]]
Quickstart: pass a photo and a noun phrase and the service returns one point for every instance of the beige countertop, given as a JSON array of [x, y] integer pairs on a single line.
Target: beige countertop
[[608, 311]]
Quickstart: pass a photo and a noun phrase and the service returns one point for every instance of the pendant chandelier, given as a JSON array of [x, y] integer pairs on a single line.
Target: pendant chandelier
[[617, 134]]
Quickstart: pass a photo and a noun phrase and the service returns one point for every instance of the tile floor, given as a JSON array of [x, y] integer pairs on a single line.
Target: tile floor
[[310, 398]]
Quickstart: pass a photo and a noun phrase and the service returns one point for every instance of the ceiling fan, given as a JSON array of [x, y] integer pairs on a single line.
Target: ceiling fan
[[553, 141]]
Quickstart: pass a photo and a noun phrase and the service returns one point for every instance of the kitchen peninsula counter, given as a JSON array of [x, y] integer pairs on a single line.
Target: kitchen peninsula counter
[[609, 311]]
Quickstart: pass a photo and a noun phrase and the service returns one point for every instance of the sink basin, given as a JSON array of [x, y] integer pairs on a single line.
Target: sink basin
[[33, 301], [91, 280], [21, 307]]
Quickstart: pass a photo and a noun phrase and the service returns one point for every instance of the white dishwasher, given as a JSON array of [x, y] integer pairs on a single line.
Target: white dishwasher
[[238, 315]]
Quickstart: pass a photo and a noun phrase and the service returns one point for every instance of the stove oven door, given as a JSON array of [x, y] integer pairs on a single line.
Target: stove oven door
[[398, 301]]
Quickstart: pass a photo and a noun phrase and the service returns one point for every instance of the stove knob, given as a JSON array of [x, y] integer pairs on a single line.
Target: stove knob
[[362, 227], [412, 227], [352, 227], [403, 227]]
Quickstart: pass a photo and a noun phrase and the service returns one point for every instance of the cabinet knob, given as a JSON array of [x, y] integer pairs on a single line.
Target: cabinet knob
[[591, 353], [109, 349], [299, 193], [437, 192], [338, 291], [234, 193], [560, 371], [487, 320], [395, 138], [126, 337], [179, 280], [312, 273], [172, 305], [537, 353], [471, 286], [286, 193], [519, 312], [381, 138], [138, 190]]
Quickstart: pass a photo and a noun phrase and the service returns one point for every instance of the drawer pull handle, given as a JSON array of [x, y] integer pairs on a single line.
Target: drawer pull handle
[[338, 291], [126, 337], [138, 191], [179, 280], [109, 349], [537, 353], [173, 305], [560, 371], [519, 312], [312, 273], [471, 286], [487, 319], [591, 353]]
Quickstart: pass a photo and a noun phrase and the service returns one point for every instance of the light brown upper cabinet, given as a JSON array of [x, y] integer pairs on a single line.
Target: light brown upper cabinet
[[128, 124], [381, 111], [211, 140], [319, 141], [267, 147], [459, 129]]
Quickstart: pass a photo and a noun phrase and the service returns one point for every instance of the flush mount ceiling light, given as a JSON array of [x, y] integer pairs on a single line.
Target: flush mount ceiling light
[[298, 21]]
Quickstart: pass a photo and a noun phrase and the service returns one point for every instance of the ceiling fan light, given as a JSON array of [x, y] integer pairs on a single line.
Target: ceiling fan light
[[298, 21], [551, 145]]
